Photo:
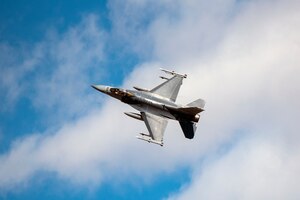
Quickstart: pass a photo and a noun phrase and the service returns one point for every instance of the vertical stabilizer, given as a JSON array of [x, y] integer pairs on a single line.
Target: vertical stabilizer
[[188, 128]]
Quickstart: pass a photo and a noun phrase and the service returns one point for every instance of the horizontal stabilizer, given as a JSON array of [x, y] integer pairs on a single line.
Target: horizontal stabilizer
[[190, 110], [188, 128], [200, 103]]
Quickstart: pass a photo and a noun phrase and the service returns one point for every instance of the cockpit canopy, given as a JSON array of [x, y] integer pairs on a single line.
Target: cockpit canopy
[[120, 92]]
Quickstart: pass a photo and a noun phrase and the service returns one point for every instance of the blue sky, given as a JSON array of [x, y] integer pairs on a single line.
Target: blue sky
[[60, 139]]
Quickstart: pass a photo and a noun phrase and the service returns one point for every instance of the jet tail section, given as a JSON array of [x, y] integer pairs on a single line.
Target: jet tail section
[[190, 110], [193, 108], [188, 128]]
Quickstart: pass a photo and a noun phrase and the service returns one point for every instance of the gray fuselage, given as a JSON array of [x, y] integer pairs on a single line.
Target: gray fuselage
[[145, 101], [149, 102]]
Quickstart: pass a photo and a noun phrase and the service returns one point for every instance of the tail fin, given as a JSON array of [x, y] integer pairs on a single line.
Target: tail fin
[[188, 128], [200, 103]]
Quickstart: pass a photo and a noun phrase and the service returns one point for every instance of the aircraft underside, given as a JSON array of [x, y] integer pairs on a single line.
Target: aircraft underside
[[157, 106], [153, 110]]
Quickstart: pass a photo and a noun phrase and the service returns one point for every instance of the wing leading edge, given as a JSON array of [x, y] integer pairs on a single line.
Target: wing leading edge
[[170, 88], [156, 127]]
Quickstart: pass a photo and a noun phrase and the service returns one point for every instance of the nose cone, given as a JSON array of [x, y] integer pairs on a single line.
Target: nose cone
[[101, 88]]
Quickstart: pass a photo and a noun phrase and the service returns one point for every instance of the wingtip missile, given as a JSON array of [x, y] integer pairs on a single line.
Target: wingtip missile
[[141, 89], [173, 73], [134, 115], [147, 138]]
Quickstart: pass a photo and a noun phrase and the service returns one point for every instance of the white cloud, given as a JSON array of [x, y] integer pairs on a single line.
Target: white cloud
[[249, 78], [251, 85], [256, 168], [16, 63], [75, 58], [98, 146]]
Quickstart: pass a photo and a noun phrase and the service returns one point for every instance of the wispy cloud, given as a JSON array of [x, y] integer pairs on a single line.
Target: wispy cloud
[[250, 85], [16, 63], [74, 60], [56, 71], [256, 168]]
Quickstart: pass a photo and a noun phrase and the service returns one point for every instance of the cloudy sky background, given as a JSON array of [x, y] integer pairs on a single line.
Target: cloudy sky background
[[61, 139]]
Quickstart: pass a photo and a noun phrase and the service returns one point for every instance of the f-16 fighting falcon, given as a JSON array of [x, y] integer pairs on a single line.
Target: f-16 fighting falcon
[[158, 105]]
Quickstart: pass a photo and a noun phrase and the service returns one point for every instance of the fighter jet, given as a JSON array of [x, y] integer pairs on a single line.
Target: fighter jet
[[157, 106]]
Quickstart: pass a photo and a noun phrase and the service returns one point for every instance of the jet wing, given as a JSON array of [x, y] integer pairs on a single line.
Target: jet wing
[[156, 126], [169, 88]]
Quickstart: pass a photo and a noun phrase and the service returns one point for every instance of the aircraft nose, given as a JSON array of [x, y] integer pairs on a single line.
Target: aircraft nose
[[101, 88]]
